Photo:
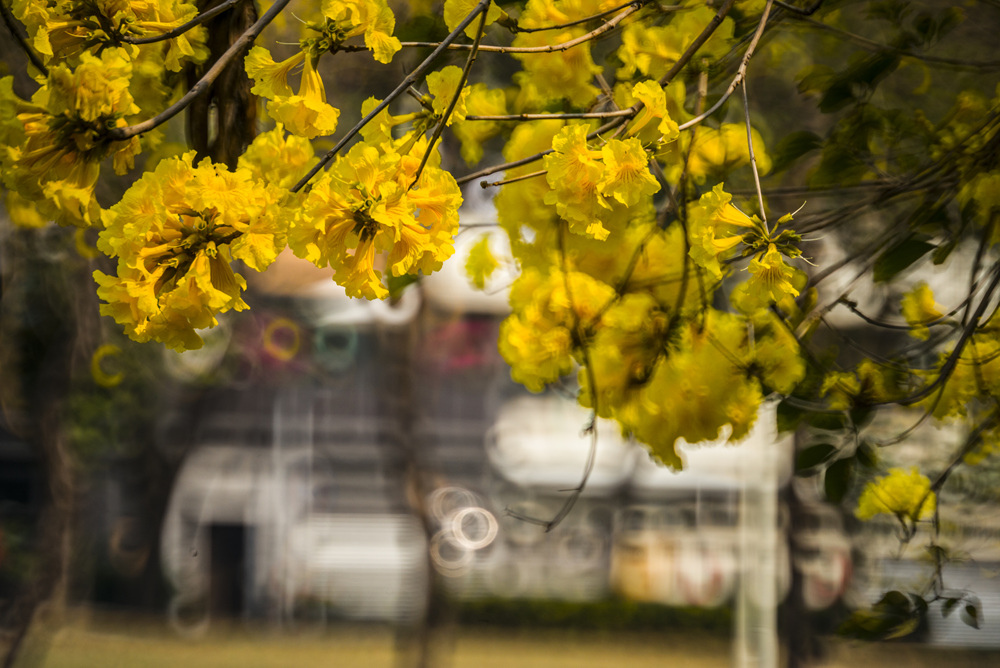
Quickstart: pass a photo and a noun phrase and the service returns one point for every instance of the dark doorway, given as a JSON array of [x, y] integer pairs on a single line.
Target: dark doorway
[[227, 572]]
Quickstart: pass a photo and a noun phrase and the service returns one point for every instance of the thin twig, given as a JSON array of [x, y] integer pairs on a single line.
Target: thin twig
[[594, 17], [410, 79], [753, 157], [588, 467], [514, 179], [549, 117], [548, 48], [181, 29], [741, 73], [439, 128], [12, 27], [871, 45], [634, 109]]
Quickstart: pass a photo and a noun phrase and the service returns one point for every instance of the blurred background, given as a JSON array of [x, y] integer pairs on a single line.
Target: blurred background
[[362, 484], [363, 480]]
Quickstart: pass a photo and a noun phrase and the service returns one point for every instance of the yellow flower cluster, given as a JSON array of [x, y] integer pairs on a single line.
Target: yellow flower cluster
[[919, 309], [696, 387], [652, 50], [975, 375], [66, 29], [614, 284], [550, 312], [54, 144], [903, 494], [306, 112], [175, 233], [560, 75], [608, 289], [372, 203], [585, 180]]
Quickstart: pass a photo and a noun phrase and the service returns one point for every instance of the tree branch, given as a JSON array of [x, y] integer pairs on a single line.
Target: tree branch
[[200, 88]]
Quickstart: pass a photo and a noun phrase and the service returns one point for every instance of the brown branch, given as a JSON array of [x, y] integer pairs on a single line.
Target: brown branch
[[200, 88], [11, 24]]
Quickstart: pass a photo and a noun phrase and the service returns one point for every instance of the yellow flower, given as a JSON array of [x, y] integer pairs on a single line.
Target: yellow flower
[[919, 309], [306, 114], [23, 212], [278, 159], [481, 101], [653, 50], [841, 389], [906, 495], [442, 86], [771, 278], [521, 208], [481, 263], [456, 10], [654, 102], [626, 175], [707, 152], [776, 353], [270, 78], [626, 345], [563, 75], [695, 390], [175, 232], [537, 340], [56, 159], [371, 18], [573, 172], [715, 227], [62, 31]]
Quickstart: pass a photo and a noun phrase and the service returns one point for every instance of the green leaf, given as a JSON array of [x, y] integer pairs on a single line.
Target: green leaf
[[815, 79], [838, 479], [867, 455], [792, 147], [838, 95], [949, 606], [827, 421], [942, 252], [970, 615], [875, 68], [839, 166], [789, 417], [894, 600], [903, 629], [899, 257], [950, 19], [894, 616], [813, 456], [862, 415], [397, 284]]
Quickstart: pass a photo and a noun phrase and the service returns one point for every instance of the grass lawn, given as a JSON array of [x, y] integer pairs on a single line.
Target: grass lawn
[[118, 642]]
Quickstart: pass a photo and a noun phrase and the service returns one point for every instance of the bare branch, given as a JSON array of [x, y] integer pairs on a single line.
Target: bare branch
[[181, 29]]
